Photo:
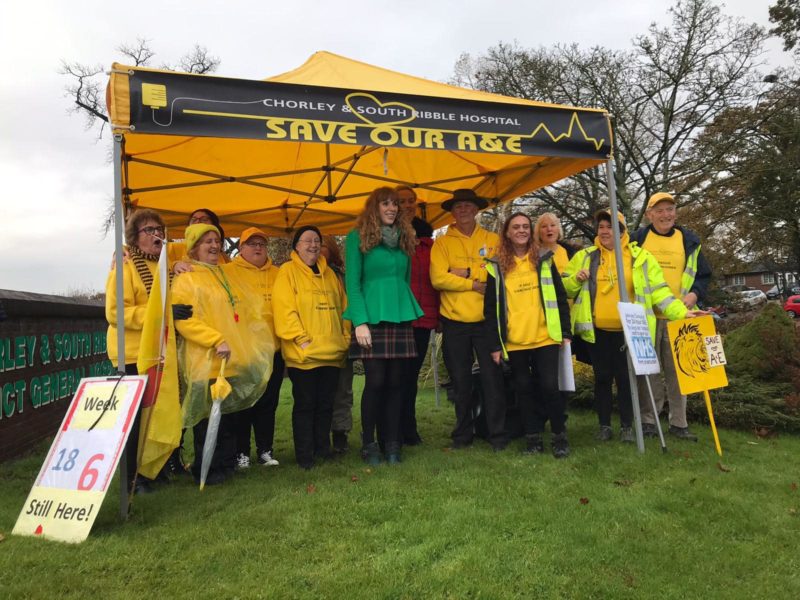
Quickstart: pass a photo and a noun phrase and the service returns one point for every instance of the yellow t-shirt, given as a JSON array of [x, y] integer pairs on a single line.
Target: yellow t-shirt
[[606, 311], [527, 328], [560, 258], [671, 257]]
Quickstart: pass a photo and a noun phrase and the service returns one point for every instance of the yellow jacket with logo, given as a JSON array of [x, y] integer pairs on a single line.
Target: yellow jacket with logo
[[307, 307], [255, 286], [454, 250]]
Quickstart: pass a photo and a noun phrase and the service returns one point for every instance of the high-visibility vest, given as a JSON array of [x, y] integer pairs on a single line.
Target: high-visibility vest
[[690, 272], [649, 288], [549, 300]]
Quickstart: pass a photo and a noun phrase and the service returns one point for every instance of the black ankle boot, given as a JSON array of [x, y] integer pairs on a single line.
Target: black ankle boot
[[393, 453], [560, 445], [534, 444], [339, 439], [371, 454]]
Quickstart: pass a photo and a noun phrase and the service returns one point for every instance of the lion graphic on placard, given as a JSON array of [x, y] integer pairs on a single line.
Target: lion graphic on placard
[[690, 350]]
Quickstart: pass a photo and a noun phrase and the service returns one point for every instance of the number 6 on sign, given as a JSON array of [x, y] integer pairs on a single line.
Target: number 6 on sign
[[89, 475]]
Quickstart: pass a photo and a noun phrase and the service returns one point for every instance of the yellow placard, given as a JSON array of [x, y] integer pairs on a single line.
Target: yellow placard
[[154, 95], [57, 514], [690, 341], [100, 408]]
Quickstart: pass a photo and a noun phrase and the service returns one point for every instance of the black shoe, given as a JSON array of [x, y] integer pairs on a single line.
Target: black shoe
[[626, 435], [604, 434], [649, 430], [560, 445], [142, 487], [413, 440], [533, 444], [460, 445], [682, 433], [501, 447], [306, 465], [340, 445], [213, 478]]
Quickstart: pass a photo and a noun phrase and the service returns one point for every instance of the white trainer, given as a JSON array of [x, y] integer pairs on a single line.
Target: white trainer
[[242, 462], [265, 458]]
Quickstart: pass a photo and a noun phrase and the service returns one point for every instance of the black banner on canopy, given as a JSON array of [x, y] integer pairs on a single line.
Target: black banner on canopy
[[190, 105]]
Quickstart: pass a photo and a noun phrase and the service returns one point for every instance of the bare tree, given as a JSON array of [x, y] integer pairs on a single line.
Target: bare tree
[[662, 93], [87, 83]]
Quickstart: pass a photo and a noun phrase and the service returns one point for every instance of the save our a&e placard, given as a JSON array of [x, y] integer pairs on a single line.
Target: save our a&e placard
[[74, 478]]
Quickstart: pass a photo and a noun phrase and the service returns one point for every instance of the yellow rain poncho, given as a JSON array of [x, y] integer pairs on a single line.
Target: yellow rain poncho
[[221, 313]]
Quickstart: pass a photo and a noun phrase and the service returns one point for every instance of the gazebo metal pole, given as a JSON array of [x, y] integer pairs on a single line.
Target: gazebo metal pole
[[623, 296], [119, 227]]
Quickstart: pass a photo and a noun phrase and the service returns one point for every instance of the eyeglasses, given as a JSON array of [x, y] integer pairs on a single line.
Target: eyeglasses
[[311, 242], [201, 219], [256, 244], [150, 230]]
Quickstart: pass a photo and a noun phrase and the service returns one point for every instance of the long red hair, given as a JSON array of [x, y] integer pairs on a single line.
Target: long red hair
[[369, 223]]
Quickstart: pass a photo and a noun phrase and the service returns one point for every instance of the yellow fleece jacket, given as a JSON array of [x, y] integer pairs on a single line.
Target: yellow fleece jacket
[[135, 304], [255, 286], [307, 308], [454, 250]]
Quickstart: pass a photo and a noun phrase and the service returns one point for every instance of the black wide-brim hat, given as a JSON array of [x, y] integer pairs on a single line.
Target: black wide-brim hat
[[465, 195]]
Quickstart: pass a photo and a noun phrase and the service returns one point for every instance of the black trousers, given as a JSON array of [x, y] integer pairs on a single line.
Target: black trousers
[[408, 431], [224, 458], [461, 343], [132, 443], [385, 380], [313, 391], [261, 416], [542, 404], [610, 364]]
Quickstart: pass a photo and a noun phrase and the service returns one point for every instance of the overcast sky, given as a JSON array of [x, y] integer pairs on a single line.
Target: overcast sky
[[55, 178]]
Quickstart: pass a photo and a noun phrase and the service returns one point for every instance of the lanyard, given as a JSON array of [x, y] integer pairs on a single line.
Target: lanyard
[[219, 275]]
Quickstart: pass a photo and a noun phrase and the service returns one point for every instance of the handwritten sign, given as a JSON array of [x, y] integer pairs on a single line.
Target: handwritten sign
[[74, 478]]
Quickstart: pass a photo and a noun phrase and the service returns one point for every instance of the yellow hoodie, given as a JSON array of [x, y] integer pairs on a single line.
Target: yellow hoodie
[[307, 307], [255, 285], [454, 250]]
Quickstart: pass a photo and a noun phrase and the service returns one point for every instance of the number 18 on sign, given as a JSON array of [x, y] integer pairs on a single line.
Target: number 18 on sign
[[73, 481]]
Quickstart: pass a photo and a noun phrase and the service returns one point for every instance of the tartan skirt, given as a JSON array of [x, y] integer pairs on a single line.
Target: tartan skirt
[[389, 340]]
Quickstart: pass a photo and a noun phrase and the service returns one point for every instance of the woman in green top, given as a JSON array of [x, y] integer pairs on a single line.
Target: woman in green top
[[381, 307]]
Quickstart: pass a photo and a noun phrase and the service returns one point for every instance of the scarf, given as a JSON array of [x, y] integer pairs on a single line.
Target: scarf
[[139, 260], [390, 236]]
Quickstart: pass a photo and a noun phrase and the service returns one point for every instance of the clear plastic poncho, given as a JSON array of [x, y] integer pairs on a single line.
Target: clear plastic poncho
[[221, 313]]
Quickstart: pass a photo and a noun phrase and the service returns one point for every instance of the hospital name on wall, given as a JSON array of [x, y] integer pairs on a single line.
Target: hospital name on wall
[[23, 352]]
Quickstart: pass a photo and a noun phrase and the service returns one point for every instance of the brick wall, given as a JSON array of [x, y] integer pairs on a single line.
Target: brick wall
[[47, 344]]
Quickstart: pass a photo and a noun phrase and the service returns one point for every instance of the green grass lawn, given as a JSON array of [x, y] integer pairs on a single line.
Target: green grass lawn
[[605, 523]]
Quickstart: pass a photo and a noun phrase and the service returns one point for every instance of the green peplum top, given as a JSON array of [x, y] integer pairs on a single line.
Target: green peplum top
[[378, 284]]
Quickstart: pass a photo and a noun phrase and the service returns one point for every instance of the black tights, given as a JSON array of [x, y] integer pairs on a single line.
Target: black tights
[[382, 399]]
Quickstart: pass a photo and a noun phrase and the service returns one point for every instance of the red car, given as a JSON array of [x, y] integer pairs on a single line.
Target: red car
[[792, 306]]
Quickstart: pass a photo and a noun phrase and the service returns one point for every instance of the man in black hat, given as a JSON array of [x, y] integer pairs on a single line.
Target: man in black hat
[[458, 272]]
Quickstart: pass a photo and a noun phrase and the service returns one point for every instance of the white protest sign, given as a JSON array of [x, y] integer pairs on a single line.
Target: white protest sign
[[716, 355], [637, 336], [74, 478]]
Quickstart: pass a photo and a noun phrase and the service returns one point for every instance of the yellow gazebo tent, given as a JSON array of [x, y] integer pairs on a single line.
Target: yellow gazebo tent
[[309, 145]]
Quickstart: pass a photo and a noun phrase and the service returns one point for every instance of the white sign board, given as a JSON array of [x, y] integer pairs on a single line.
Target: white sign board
[[716, 355], [637, 336], [74, 478]]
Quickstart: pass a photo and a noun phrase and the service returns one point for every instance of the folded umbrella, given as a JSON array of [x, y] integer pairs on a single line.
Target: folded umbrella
[[220, 390]]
